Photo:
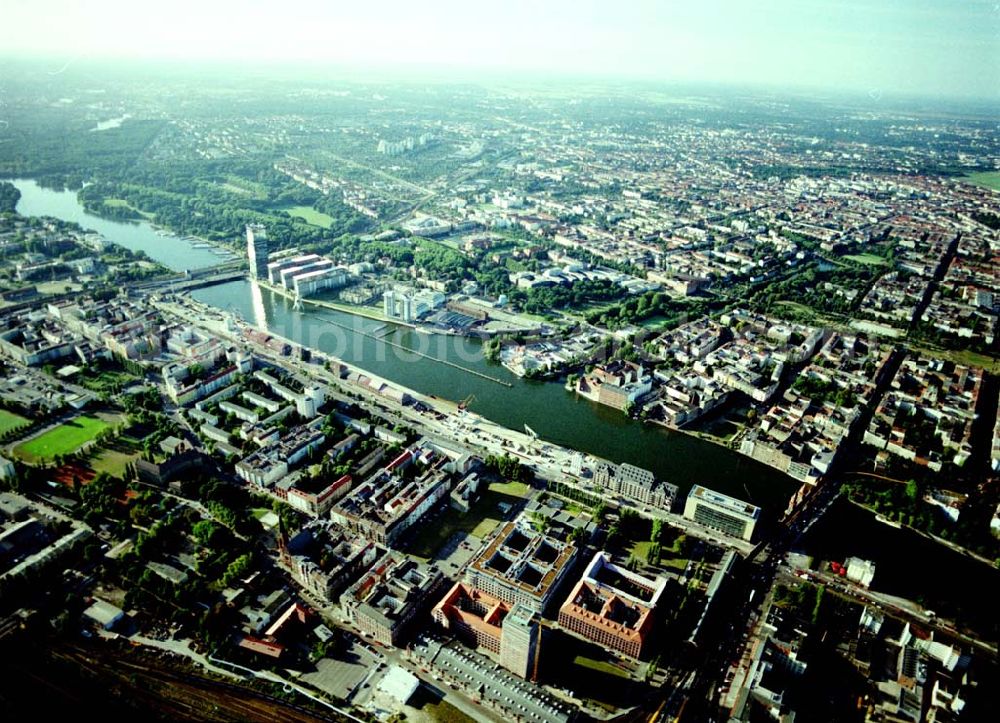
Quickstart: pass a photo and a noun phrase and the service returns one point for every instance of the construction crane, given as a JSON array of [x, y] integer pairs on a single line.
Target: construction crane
[[462, 405]]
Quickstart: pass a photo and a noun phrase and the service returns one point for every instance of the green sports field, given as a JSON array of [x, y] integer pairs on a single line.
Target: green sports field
[[987, 179], [869, 259], [310, 215], [63, 439]]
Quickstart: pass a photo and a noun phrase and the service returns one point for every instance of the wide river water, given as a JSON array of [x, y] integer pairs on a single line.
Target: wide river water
[[552, 412]]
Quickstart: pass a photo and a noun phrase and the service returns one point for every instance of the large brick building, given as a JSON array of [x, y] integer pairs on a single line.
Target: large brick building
[[612, 606], [473, 615], [488, 623]]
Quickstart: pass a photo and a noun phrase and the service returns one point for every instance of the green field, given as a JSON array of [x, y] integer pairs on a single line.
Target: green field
[[430, 706], [122, 203], [310, 215], [445, 712], [515, 489], [484, 517], [868, 259], [654, 322], [815, 317], [57, 287], [592, 307], [668, 556], [988, 179], [113, 461], [592, 673], [64, 439], [105, 379], [961, 356], [244, 187], [640, 549], [600, 666], [9, 421], [719, 429]]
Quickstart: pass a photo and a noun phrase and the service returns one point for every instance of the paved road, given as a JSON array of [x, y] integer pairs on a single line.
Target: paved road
[[896, 606]]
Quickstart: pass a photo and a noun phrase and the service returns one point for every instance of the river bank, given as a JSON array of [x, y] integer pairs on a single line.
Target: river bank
[[343, 308], [940, 540]]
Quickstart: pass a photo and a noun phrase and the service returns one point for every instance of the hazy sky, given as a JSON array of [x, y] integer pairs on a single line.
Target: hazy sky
[[890, 46]]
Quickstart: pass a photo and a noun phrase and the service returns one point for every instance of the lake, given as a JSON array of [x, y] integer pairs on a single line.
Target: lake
[[177, 254]]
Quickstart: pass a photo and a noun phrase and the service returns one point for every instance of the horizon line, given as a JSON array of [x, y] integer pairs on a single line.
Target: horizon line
[[445, 73]]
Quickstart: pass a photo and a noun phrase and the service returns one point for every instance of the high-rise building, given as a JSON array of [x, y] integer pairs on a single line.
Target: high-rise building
[[257, 250], [519, 640], [489, 623]]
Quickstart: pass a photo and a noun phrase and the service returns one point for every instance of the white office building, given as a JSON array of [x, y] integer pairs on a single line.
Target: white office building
[[721, 512]]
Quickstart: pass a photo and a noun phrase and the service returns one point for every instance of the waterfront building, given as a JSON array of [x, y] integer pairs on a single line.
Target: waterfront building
[[721, 512], [257, 250]]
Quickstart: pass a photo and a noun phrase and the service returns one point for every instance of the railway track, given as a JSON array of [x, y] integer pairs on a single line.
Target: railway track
[[148, 686]]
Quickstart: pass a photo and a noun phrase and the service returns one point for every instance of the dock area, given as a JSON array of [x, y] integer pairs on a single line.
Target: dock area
[[381, 332]]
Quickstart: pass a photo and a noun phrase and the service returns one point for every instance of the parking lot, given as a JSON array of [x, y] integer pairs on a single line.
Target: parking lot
[[455, 554], [339, 676]]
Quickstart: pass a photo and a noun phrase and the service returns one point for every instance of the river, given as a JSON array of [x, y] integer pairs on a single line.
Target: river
[[910, 565], [555, 414], [173, 252]]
